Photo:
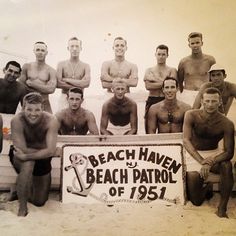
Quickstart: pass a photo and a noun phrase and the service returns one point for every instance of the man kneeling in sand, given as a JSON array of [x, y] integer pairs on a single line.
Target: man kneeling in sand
[[34, 136], [119, 113], [203, 129], [76, 120]]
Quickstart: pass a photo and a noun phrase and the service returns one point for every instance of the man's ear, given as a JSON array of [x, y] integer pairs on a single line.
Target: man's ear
[[4, 70]]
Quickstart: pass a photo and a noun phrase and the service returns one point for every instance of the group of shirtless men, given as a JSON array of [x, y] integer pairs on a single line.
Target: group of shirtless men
[[200, 82]]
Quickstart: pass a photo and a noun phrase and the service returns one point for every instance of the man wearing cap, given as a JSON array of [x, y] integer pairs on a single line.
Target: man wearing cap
[[217, 76], [192, 70]]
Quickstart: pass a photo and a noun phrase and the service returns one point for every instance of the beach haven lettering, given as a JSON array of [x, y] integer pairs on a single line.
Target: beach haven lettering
[[142, 176]]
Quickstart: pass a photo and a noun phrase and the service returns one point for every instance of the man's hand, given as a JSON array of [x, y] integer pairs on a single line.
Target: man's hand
[[204, 172], [209, 160], [20, 154]]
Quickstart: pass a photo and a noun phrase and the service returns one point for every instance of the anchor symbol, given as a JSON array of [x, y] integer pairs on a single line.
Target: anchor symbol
[[78, 159]]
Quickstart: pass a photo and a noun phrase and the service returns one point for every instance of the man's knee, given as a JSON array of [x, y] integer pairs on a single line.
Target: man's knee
[[226, 167], [39, 202]]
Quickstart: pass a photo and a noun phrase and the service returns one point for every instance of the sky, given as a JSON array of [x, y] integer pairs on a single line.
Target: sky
[[144, 23]]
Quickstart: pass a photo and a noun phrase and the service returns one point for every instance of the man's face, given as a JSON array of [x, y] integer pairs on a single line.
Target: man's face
[[40, 51], [74, 101], [119, 90], [170, 89], [211, 102], [217, 77], [33, 112], [195, 44], [119, 47], [74, 47], [161, 55], [12, 73]]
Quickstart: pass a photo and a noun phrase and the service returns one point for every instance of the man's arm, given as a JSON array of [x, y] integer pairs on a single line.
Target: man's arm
[[26, 154], [60, 83], [228, 143], [197, 102], [80, 82], [93, 129], [1, 134], [104, 121], [187, 136], [152, 82], [232, 89], [173, 73], [23, 76], [152, 120], [180, 75], [133, 120], [42, 87], [105, 77], [132, 81]]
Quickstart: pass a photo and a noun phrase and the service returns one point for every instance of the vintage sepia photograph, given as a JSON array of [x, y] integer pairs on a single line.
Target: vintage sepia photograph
[[117, 117]]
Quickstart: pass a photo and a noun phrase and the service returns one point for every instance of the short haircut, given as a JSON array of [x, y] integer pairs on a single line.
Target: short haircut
[[211, 90], [120, 38], [163, 47], [33, 98], [76, 90], [119, 81], [75, 38], [194, 35], [13, 63], [170, 78], [40, 42]]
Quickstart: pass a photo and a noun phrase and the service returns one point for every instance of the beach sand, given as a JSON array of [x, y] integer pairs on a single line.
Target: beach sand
[[149, 219]]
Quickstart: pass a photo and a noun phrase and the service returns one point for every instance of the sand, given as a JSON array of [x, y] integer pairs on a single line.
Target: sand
[[56, 218]]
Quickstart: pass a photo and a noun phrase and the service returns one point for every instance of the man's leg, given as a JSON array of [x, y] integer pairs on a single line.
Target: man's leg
[[23, 184], [196, 192], [226, 186], [40, 189]]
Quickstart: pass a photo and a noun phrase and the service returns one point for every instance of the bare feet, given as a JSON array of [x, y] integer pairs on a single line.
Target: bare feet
[[221, 213], [23, 212]]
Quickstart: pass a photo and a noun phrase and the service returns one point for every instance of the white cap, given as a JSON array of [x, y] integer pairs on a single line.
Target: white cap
[[216, 67]]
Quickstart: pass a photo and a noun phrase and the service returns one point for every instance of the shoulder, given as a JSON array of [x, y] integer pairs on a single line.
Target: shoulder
[[192, 113], [61, 113], [17, 119], [49, 68], [205, 86], [63, 63], [185, 59], [227, 123], [130, 64], [183, 105], [130, 100], [26, 66], [107, 63], [157, 107], [209, 57], [84, 64]]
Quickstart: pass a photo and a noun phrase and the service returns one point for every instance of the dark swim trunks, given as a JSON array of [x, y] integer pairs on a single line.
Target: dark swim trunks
[[41, 167]]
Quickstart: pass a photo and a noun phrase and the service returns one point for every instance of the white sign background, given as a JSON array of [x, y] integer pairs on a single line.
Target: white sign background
[[123, 173]]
